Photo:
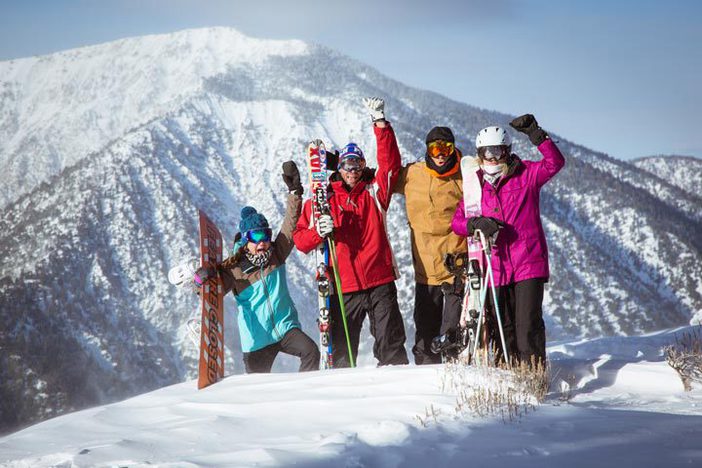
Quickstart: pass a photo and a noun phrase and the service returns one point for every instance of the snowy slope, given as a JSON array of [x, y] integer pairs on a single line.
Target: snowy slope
[[626, 409], [84, 254], [668, 182], [683, 172]]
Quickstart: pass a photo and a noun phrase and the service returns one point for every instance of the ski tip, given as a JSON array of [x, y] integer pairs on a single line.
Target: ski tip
[[469, 162]]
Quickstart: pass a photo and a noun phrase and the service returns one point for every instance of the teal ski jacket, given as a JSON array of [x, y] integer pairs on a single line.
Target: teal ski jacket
[[266, 310]]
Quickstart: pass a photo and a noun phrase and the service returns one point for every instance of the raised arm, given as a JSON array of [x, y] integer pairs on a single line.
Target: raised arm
[[389, 164], [389, 161], [553, 160], [283, 242]]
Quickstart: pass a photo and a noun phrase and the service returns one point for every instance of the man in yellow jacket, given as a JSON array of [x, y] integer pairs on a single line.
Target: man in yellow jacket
[[432, 190]]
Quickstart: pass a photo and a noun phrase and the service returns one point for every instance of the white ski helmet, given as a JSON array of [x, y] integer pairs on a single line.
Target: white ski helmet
[[492, 136]]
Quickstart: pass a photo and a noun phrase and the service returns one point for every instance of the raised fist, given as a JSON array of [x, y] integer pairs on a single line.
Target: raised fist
[[291, 177], [528, 125]]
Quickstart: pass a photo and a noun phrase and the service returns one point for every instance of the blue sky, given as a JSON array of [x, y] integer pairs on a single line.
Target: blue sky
[[622, 77]]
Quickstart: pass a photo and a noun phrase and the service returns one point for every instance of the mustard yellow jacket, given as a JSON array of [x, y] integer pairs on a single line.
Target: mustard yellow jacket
[[430, 202]]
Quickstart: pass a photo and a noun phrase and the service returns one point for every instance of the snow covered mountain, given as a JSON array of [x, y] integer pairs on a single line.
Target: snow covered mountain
[[59, 108], [109, 150]]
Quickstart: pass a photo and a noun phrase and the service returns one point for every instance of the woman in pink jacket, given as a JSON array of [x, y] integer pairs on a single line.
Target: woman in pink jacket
[[510, 204]]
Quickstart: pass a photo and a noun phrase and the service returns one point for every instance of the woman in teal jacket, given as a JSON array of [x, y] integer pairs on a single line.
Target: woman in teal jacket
[[268, 322]]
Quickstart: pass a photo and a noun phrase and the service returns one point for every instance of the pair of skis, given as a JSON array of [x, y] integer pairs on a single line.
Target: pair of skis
[[479, 274], [479, 281], [325, 253]]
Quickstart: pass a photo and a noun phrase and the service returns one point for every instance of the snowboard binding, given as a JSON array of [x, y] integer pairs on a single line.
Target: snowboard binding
[[182, 275], [194, 331], [452, 343]]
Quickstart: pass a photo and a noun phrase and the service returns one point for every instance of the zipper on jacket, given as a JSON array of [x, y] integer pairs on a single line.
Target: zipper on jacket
[[431, 199], [270, 306], [349, 201]]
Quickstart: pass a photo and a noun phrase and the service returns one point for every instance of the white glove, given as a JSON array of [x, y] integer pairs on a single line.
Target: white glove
[[325, 225], [376, 108]]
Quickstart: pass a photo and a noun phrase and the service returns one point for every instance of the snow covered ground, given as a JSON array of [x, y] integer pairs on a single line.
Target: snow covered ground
[[626, 407]]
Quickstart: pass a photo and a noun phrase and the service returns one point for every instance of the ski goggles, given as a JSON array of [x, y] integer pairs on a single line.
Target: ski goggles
[[352, 165], [493, 153], [440, 147], [259, 235]]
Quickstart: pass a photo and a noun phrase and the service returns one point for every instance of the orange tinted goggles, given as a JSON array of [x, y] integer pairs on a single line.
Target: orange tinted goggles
[[440, 147]]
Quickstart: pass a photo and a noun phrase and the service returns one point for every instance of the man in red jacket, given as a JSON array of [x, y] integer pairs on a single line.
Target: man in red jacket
[[359, 199]]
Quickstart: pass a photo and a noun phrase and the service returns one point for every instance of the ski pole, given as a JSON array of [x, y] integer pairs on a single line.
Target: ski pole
[[486, 275], [491, 278], [337, 281], [481, 315]]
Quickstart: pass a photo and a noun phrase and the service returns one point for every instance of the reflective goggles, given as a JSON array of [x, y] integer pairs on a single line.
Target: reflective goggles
[[493, 153], [440, 147], [352, 165], [259, 235]]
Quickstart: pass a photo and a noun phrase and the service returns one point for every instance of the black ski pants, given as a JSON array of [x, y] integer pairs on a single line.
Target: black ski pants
[[386, 325], [437, 309], [295, 342], [522, 319]]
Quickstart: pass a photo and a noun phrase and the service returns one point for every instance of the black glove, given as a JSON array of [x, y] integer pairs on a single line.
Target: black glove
[[487, 225], [528, 125], [291, 177], [332, 160]]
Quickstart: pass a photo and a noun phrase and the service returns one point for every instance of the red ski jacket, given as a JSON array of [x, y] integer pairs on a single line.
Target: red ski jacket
[[362, 247]]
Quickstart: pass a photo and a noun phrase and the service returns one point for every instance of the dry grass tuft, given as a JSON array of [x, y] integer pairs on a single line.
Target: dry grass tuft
[[486, 391], [685, 356]]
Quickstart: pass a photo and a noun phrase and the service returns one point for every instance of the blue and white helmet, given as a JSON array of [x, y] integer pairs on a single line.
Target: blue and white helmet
[[351, 151]]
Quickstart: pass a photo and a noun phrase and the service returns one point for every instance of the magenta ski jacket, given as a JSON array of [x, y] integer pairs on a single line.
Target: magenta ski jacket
[[520, 252]]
